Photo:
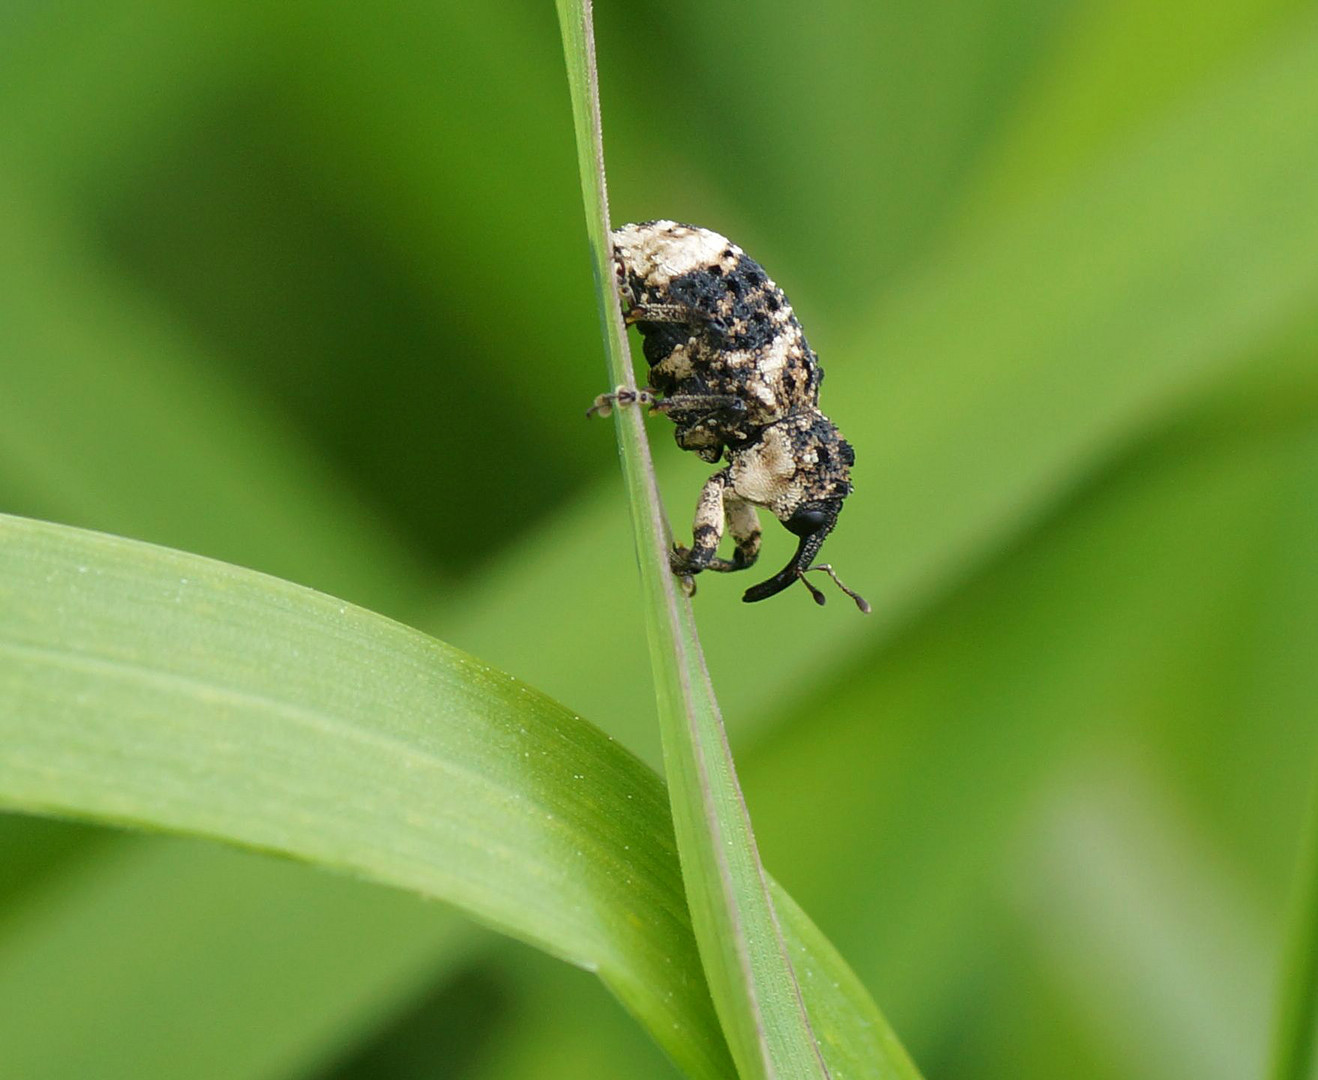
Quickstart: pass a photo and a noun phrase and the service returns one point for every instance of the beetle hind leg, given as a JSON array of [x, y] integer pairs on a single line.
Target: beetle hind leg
[[716, 506], [744, 524]]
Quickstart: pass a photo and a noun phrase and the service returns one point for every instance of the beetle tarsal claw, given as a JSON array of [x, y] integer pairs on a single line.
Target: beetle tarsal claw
[[679, 560]]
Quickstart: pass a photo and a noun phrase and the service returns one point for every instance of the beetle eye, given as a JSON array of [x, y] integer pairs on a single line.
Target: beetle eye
[[806, 520]]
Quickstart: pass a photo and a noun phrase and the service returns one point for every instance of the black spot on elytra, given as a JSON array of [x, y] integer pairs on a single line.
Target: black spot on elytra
[[760, 330], [821, 431], [702, 291], [742, 297]]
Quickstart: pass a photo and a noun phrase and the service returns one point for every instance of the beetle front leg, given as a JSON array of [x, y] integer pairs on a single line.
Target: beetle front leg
[[725, 406], [706, 529], [622, 396]]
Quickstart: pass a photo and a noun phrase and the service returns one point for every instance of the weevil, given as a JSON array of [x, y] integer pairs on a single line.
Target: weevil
[[741, 384]]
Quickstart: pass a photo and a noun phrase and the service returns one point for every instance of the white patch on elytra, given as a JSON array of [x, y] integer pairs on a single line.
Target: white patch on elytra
[[774, 358], [663, 250]]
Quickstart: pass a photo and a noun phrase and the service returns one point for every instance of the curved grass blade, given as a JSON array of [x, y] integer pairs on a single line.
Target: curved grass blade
[[752, 979], [990, 386]]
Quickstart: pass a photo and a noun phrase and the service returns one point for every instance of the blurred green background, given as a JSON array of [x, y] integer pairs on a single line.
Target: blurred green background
[[305, 288]]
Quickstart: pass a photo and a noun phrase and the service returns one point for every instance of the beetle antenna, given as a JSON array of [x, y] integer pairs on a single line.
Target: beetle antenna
[[861, 602], [820, 598]]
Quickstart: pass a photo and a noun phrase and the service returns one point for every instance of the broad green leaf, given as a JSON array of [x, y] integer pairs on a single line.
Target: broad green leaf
[[853, 1035], [151, 688]]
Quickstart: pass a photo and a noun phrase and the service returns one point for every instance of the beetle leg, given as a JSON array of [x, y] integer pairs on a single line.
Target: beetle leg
[[622, 396], [729, 405], [744, 524], [660, 313], [704, 421], [706, 530]]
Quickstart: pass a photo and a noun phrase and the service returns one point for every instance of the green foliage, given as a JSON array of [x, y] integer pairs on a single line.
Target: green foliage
[[305, 291], [155, 688], [777, 1021], [752, 981]]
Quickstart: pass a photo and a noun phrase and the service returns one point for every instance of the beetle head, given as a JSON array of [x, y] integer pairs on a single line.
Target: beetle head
[[821, 480], [812, 522]]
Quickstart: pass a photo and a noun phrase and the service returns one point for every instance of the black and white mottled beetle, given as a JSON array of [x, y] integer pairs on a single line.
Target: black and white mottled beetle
[[740, 381]]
